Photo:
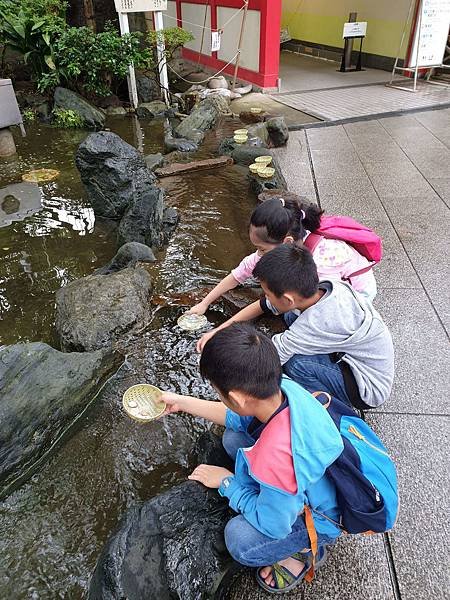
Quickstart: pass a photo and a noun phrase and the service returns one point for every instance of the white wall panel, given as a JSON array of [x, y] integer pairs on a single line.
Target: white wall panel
[[230, 38], [195, 13]]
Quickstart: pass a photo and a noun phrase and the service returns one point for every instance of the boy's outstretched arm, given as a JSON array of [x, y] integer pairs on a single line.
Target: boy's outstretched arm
[[228, 283], [207, 409], [250, 312]]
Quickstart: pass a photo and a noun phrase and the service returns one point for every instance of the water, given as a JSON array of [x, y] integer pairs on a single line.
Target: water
[[53, 528]]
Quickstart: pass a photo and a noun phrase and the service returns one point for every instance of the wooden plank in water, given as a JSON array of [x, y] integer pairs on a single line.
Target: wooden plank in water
[[196, 165]]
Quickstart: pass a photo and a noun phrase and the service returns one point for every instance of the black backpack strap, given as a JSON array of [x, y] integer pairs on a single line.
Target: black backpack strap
[[351, 386]]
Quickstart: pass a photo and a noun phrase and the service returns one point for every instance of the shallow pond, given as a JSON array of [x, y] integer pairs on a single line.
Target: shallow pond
[[53, 528]]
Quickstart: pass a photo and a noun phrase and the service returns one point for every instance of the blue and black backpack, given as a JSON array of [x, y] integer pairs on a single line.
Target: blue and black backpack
[[364, 474]]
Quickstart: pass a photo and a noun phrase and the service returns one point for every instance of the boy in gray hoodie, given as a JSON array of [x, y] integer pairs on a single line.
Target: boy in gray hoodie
[[336, 341]]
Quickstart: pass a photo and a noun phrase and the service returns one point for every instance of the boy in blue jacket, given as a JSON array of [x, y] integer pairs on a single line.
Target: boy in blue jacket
[[282, 440]]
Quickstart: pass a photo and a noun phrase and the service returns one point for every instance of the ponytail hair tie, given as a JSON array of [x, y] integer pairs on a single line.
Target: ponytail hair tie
[[303, 215], [283, 203]]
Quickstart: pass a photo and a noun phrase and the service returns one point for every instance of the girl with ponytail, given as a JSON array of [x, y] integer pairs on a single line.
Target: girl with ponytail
[[283, 218]]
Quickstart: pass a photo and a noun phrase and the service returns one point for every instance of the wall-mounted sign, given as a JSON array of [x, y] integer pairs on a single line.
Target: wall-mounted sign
[[358, 29], [430, 37], [130, 6], [216, 37]]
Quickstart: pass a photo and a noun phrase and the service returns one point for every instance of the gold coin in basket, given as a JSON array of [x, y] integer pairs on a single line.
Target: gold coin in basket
[[143, 403]]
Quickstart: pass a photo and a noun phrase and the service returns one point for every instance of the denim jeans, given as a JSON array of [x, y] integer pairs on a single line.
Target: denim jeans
[[317, 373], [249, 546]]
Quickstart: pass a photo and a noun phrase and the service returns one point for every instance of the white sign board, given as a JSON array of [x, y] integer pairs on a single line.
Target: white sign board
[[431, 33], [358, 29], [216, 38], [130, 6]]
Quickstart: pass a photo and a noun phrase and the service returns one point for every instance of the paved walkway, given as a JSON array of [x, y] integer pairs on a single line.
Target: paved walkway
[[394, 175], [367, 100]]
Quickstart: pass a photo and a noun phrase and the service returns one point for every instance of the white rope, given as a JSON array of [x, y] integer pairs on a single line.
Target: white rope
[[211, 77], [221, 28]]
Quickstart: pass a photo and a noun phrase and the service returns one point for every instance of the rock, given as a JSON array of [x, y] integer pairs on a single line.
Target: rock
[[147, 88], [278, 131], [142, 221], [113, 173], [171, 547], [259, 130], [202, 118], [238, 298], [111, 101], [249, 117], [229, 147], [7, 143], [42, 392], [43, 112], [177, 144], [245, 155], [258, 185], [218, 82], [115, 110], [93, 312], [171, 219], [66, 99], [228, 94], [153, 161], [273, 132], [151, 109], [244, 89], [127, 256]]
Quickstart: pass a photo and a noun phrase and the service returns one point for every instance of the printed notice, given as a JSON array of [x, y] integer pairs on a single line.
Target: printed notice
[[358, 29], [128, 6], [431, 38], [216, 38]]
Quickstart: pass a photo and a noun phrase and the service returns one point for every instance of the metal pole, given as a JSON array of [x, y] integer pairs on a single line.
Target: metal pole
[[161, 54], [241, 36], [348, 44], [132, 90]]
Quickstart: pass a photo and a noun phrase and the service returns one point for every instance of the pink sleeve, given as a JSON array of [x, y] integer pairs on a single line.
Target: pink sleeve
[[245, 268]]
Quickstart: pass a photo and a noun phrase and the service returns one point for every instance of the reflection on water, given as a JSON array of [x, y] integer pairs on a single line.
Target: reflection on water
[[53, 528]]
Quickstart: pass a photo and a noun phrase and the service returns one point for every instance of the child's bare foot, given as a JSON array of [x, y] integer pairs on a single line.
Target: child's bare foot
[[291, 564]]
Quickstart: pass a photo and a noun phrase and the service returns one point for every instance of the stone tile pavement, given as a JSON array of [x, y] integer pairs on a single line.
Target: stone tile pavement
[[361, 101], [394, 174]]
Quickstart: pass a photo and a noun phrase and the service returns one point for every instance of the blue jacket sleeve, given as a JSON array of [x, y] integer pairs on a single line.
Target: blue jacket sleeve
[[260, 505], [236, 422]]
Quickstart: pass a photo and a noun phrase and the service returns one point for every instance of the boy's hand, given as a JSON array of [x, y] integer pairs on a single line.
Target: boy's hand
[[209, 475], [198, 309], [173, 402], [205, 337]]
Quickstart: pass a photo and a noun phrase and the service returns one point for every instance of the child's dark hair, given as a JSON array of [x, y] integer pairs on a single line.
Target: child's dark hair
[[283, 213], [241, 358], [288, 268]]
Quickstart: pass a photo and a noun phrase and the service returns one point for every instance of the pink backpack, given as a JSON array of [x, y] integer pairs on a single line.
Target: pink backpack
[[361, 238]]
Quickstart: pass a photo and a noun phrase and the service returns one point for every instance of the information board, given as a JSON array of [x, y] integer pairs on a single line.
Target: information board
[[431, 33], [130, 6], [352, 30]]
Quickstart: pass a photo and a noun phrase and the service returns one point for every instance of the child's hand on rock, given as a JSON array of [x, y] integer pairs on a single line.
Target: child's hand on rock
[[209, 475]]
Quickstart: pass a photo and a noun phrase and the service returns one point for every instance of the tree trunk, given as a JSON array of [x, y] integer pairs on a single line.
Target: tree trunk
[[89, 14]]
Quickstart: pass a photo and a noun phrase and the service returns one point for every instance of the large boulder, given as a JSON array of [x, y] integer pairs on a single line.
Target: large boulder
[[128, 255], [113, 173], [42, 392], [148, 110], [273, 132], [203, 117], [95, 311], [68, 100], [148, 88], [171, 547], [142, 221]]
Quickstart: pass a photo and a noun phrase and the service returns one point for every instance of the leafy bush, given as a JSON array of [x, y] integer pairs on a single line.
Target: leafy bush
[[32, 30], [174, 38], [90, 62], [67, 118], [29, 115]]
